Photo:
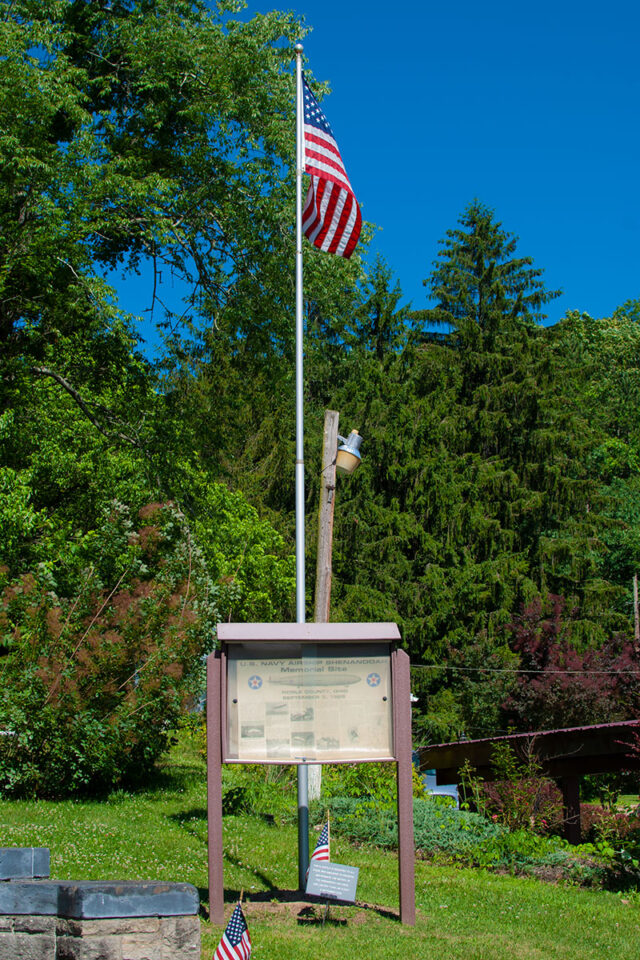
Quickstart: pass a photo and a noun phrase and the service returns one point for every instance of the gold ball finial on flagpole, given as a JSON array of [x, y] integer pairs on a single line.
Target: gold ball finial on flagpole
[[298, 48]]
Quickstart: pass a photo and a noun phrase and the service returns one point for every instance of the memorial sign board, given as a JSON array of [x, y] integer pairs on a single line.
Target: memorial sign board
[[289, 703], [333, 881], [285, 693]]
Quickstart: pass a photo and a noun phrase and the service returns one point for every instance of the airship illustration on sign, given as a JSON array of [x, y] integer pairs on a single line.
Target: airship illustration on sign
[[317, 680]]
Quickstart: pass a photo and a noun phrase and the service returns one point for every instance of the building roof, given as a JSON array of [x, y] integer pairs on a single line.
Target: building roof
[[569, 751]]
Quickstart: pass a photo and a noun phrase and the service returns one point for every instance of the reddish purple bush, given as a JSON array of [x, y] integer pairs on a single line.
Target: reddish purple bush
[[617, 826], [526, 803], [567, 687]]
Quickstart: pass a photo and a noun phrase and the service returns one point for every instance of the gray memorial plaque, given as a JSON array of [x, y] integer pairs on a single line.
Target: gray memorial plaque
[[333, 881]]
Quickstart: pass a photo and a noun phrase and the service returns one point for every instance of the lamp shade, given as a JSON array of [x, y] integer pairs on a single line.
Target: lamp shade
[[348, 457]]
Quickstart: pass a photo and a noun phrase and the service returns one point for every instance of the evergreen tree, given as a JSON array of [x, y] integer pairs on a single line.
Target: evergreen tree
[[476, 494], [482, 290]]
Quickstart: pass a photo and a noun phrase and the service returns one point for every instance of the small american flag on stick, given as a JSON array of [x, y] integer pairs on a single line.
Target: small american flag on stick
[[236, 942], [331, 217], [321, 851]]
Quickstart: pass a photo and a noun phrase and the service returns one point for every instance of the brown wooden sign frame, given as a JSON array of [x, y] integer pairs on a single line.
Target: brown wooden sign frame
[[310, 633]]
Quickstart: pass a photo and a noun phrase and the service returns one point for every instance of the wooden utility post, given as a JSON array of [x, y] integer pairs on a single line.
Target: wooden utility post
[[322, 604], [325, 517]]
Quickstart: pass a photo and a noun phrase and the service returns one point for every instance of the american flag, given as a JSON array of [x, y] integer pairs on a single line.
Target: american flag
[[236, 942], [331, 217], [321, 851]]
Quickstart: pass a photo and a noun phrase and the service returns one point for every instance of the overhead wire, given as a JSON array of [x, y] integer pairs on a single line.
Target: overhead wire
[[446, 666]]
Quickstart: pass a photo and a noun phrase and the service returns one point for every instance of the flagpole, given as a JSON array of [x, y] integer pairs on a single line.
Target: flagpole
[[303, 781], [300, 594]]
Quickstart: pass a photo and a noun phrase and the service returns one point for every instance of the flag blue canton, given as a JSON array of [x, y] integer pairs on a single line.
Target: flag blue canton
[[313, 114], [237, 926]]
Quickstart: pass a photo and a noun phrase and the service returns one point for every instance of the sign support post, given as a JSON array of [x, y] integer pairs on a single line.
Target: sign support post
[[402, 743], [214, 788]]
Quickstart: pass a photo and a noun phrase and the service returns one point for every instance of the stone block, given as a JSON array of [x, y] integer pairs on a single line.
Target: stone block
[[72, 948], [137, 938], [30, 924], [24, 863], [117, 926], [47, 921], [181, 938], [95, 900], [139, 947], [37, 897], [35, 943], [74, 942], [36, 946]]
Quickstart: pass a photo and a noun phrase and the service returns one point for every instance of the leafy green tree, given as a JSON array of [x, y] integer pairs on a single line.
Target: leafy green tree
[[606, 384], [110, 593], [139, 133], [131, 132]]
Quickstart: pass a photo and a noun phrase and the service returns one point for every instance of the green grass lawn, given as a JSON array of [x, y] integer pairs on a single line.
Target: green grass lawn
[[461, 914]]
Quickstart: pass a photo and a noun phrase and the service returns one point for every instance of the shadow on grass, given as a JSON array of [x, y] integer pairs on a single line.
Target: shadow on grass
[[306, 914], [174, 777], [182, 818], [310, 917], [278, 895], [164, 780], [193, 819], [196, 814]]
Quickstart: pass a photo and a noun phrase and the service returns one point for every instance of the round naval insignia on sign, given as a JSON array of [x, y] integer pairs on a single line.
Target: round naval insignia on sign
[[373, 679], [255, 682]]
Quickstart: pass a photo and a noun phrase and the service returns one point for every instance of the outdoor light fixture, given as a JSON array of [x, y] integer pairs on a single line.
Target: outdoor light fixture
[[348, 457]]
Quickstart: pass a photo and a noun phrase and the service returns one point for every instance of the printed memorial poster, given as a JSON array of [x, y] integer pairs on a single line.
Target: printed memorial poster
[[293, 702]]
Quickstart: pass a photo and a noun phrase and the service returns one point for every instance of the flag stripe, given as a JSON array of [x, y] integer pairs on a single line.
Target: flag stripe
[[331, 218], [321, 167], [331, 235], [325, 155], [348, 231]]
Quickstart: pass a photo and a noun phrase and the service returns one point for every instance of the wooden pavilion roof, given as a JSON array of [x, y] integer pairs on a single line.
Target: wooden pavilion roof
[[567, 752]]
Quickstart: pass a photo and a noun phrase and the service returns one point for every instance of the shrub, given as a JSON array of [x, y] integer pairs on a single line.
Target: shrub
[[446, 835], [519, 797], [596, 820], [527, 803], [438, 829], [92, 685], [372, 781], [521, 848], [615, 834], [563, 685]]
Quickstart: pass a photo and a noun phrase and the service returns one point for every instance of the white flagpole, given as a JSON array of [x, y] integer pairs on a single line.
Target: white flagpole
[[300, 578], [303, 781]]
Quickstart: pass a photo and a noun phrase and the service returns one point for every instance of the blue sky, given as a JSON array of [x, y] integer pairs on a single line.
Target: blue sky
[[533, 109]]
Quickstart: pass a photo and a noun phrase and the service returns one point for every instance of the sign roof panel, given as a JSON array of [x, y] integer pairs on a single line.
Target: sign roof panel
[[309, 632]]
